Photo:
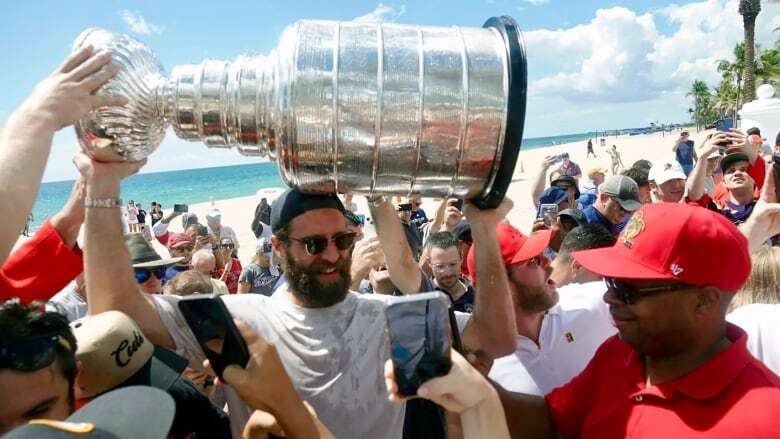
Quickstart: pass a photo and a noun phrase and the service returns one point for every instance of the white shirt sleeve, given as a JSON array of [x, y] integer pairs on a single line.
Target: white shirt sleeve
[[187, 346], [160, 228]]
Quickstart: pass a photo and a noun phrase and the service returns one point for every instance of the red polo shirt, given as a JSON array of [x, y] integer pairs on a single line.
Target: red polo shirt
[[40, 268], [731, 396]]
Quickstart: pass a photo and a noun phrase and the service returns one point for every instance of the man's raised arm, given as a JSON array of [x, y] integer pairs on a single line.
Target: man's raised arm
[[492, 327], [403, 270], [64, 97], [108, 271]]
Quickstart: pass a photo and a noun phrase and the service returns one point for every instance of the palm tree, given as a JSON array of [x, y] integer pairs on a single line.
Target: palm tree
[[700, 93], [749, 10], [768, 66], [733, 71]]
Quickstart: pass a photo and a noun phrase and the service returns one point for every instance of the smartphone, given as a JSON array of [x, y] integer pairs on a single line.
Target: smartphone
[[418, 327], [180, 208], [405, 207], [560, 157], [458, 204], [547, 211], [724, 125], [212, 324], [203, 230], [776, 174]]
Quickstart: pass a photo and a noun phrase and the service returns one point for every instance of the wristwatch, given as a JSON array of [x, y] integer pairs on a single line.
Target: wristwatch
[[102, 202]]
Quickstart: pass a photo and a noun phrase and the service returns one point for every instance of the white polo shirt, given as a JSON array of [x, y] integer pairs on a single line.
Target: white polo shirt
[[762, 324], [571, 332]]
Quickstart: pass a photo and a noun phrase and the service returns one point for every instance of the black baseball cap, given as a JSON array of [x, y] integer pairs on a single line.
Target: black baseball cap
[[575, 214], [294, 202], [567, 180], [136, 412], [731, 158]]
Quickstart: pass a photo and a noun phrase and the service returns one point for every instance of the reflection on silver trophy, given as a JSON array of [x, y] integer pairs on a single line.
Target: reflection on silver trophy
[[370, 108]]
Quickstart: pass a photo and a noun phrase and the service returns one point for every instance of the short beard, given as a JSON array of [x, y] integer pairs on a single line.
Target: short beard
[[536, 299], [312, 292]]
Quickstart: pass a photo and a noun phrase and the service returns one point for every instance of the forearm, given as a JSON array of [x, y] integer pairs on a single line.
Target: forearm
[[298, 422], [526, 415], [540, 181], [108, 272], [25, 143], [695, 182], [485, 419], [493, 317], [401, 265]]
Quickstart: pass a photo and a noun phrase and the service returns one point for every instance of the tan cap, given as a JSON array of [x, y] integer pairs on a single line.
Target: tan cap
[[111, 348]]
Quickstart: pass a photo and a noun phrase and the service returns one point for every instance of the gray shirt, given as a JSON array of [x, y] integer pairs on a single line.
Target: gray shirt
[[334, 356], [261, 280], [68, 303]]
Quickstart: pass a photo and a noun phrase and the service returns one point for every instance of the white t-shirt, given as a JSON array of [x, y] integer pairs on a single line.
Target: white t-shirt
[[571, 332], [334, 356], [762, 324]]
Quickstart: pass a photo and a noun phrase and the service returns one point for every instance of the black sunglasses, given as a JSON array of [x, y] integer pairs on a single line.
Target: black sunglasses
[[230, 246], [32, 354], [143, 274], [315, 245], [630, 294]]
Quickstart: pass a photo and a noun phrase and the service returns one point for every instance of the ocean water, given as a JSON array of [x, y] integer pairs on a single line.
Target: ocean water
[[198, 185]]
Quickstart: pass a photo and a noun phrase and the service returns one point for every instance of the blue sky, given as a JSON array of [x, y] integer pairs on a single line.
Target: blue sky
[[592, 64]]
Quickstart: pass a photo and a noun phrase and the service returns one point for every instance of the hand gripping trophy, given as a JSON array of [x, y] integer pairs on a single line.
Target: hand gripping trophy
[[375, 109]]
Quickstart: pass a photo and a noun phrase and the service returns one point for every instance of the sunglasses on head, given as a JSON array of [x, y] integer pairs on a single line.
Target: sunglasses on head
[[143, 274], [32, 354], [315, 245], [630, 294]]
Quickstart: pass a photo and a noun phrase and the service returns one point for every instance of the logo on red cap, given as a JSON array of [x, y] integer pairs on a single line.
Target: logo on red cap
[[676, 269], [634, 227]]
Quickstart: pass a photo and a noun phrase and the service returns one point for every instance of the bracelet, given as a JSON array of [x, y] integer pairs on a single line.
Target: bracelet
[[376, 200], [102, 202]]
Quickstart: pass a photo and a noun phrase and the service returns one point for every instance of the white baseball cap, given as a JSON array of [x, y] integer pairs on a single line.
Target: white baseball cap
[[661, 172]]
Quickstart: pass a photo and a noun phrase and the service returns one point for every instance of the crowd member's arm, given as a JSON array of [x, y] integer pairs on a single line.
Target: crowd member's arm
[[25, 141], [764, 222], [526, 415], [402, 267], [464, 391], [366, 255], [756, 164], [264, 385], [695, 183], [108, 272], [540, 181], [160, 228], [492, 327], [54, 245]]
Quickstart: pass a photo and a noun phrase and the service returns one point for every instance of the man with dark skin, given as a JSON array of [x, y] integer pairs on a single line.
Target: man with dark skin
[[676, 369]]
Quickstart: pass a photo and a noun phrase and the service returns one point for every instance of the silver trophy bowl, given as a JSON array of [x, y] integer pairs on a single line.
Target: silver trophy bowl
[[375, 109]]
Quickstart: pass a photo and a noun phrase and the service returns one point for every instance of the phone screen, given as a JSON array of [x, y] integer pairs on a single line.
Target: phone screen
[[180, 208], [213, 326], [458, 204], [548, 212], [420, 337]]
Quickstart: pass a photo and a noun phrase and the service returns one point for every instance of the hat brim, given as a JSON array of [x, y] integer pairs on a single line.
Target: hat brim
[[629, 205], [161, 371], [159, 262], [728, 159], [533, 246], [612, 262], [581, 220], [670, 175]]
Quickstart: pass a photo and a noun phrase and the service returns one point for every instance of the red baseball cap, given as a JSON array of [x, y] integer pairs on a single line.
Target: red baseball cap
[[179, 239], [686, 243], [515, 247]]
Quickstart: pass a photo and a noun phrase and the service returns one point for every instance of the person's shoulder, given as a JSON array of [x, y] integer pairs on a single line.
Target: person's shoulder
[[587, 296]]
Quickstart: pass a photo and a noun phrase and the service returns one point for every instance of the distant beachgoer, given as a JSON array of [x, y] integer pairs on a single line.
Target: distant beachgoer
[[617, 162], [156, 212], [132, 217], [590, 148], [141, 215], [685, 152], [570, 168], [228, 267]]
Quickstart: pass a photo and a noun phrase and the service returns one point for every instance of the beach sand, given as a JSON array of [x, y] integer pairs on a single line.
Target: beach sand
[[238, 212]]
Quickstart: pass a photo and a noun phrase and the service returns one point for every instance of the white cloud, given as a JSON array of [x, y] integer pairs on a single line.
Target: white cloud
[[382, 13], [138, 24], [536, 2], [621, 56]]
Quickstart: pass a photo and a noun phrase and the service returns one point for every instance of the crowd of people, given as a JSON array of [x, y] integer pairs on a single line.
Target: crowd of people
[[642, 304]]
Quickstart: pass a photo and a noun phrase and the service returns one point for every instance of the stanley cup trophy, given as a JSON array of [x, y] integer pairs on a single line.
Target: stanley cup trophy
[[376, 109]]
